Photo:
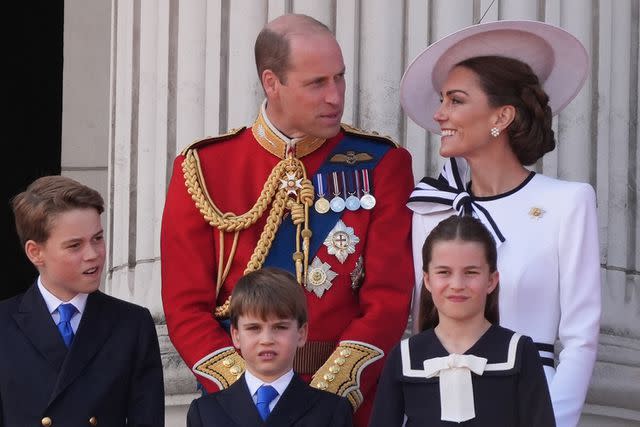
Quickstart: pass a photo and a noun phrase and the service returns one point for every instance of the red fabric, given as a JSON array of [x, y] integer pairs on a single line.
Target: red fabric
[[235, 171]]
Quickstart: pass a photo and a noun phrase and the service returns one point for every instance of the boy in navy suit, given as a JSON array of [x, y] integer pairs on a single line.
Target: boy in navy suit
[[69, 354], [268, 317]]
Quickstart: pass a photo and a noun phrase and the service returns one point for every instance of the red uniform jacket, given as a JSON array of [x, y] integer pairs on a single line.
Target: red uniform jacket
[[357, 320]]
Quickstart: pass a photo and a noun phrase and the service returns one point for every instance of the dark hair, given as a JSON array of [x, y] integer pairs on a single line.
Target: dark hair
[[508, 81], [467, 229], [36, 208], [272, 46], [267, 292]]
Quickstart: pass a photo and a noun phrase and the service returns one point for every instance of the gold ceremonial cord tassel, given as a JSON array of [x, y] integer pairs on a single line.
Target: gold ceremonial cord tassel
[[274, 193]]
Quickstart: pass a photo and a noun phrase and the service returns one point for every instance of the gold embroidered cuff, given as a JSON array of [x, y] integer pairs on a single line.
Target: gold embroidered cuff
[[223, 367], [340, 374]]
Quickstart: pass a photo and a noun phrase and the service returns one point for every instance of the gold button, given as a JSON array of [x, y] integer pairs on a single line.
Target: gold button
[[46, 422], [339, 361], [322, 385], [334, 369], [329, 377], [345, 353], [235, 370], [93, 421], [227, 362]]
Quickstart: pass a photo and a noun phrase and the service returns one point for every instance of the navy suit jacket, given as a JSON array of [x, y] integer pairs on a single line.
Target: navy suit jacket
[[299, 405], [112, 372]]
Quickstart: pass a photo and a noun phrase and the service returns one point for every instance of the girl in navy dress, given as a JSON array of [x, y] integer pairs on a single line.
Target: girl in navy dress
[[462, 369]]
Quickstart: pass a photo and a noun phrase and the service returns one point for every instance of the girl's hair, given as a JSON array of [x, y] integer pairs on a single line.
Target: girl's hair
[[467, 229], [508, 81]]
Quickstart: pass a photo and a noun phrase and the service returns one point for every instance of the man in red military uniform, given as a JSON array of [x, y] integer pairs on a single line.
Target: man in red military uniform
[[300, 191]]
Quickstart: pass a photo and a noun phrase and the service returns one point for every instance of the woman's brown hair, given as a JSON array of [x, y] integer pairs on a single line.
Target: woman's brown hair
[[508, 81]]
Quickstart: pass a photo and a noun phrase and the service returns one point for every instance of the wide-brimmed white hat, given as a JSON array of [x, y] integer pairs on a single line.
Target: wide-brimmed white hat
[[556, 56]]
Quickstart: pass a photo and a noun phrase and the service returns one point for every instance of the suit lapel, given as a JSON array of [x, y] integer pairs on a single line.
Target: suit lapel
[[35, 321], [94, 329], [238, 403], [294, 403]]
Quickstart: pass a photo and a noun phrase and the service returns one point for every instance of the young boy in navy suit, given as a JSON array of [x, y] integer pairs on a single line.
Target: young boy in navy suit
[[71, 355], [268, 316]]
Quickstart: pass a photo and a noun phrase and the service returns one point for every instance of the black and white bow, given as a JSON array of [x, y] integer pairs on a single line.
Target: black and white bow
[[449, 190]]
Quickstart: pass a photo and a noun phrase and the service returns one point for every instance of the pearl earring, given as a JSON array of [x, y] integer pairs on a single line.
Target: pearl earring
[[495, 132]]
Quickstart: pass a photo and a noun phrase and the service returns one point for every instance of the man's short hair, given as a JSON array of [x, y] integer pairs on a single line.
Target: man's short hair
[[272, 48], [268, 292], [36, 208]]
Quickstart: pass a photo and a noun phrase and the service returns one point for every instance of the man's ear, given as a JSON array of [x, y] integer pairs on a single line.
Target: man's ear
[[34, 252], [270, 83]]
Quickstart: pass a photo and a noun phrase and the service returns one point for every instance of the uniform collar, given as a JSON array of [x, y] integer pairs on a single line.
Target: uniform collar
[[275, 142]]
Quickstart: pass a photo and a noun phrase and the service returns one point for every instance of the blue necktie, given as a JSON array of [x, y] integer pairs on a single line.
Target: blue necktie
[[265, 395], [66, 312]]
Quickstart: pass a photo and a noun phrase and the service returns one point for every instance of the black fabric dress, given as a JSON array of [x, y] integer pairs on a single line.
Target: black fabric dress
[[511, 392]]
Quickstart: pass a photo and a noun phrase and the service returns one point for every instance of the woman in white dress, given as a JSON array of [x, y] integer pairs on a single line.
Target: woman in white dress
[[490, 91]]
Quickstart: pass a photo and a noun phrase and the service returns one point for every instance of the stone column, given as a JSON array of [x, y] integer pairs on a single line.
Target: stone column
[[145, 79]]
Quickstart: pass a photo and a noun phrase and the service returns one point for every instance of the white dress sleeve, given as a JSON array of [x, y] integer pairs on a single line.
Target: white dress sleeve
[[579, 282]]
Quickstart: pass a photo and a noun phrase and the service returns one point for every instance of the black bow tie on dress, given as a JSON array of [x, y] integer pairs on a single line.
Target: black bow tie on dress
[[435, 195]]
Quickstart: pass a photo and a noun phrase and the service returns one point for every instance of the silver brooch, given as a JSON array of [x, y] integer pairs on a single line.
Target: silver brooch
[[319, 277], [341, 241]]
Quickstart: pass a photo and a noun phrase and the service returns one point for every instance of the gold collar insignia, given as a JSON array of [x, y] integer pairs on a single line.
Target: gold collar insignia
[[277, 144]]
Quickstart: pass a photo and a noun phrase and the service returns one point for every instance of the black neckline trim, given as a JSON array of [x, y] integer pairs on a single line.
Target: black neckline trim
[[499, 196]]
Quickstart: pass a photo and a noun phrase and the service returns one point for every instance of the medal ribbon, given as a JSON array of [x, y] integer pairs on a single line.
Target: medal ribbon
[[344, 184], [320, 184], [365, 181], [356, 175], [336, 186]]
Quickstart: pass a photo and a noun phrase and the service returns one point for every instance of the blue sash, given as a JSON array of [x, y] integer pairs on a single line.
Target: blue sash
[[284, 243]]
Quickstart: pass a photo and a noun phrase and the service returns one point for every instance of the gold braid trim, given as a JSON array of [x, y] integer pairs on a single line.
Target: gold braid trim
[[223, 367], [274, 193], [340, 374], [212, 214]]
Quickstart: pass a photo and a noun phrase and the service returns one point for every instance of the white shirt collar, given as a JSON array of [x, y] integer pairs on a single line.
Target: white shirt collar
[[280, 384], [79, 301]]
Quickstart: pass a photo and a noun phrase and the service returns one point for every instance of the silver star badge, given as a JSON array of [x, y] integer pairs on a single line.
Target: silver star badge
[[341, 241], [291, 184], [319, 277]]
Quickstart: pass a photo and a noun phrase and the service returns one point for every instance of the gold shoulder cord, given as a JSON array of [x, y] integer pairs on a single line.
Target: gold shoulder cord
[[280, 183]]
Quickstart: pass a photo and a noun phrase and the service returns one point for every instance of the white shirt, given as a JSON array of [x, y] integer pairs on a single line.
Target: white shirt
[[280, 385], [79, 302], [549, 277]]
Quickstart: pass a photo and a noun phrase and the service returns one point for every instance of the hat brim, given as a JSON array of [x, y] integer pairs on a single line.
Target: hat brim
[[556, 56]]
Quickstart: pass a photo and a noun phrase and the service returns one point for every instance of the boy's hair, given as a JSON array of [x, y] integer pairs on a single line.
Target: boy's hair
[[268, 292], [36, 208], [467, 229]]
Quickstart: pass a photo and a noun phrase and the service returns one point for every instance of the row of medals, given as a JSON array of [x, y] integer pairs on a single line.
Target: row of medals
[[352, 202]]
